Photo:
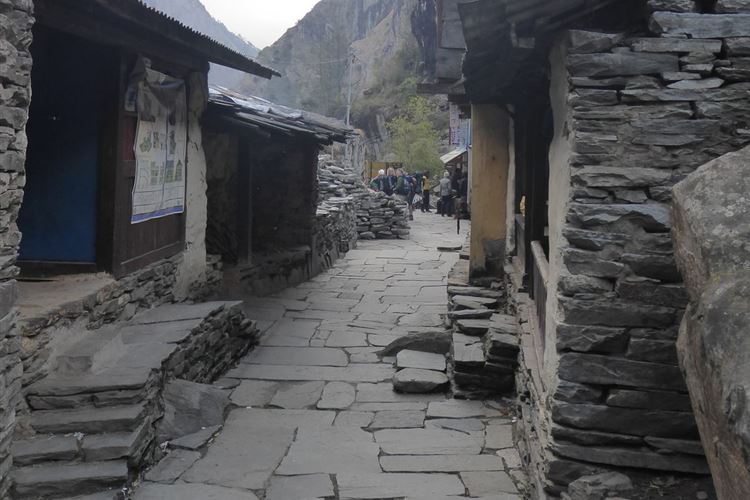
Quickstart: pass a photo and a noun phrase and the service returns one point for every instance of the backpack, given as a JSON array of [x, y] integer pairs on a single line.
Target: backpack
[[388, 186], [402, 186]]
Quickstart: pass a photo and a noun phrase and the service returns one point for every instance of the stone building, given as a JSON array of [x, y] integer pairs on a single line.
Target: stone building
[[99, 242], [584, 116], [263, 191]]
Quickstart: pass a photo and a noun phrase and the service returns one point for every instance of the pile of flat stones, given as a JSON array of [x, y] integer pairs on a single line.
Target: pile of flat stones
[[420, 372], [485, 343], [378, 215]]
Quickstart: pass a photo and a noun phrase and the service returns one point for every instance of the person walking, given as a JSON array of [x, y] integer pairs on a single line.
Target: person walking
[[426, 191], [392, 180], [379, 182], [404, 190], [446, 189]]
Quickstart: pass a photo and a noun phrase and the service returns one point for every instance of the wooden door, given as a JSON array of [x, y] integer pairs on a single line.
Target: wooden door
[[137, 245]]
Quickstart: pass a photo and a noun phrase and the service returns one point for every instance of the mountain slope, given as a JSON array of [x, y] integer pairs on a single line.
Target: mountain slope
[[192, 13], [314, 58]]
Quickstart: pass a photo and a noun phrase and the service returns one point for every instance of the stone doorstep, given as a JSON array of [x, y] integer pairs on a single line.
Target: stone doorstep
[[54, 480], [110, 432], [89, 420], [44, 449]]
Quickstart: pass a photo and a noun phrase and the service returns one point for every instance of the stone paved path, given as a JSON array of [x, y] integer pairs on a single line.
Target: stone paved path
[[316, 416]]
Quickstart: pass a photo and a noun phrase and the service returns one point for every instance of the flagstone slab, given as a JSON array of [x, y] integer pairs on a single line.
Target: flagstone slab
[[420, 360], [332, 450], [498, 437], [363, 354], [440, 463], [354, 419], [295, 396], [253, 393], [297, 356], [172, 466], [458, 408], [457, 424], [384, 393], [488, 483], [352, 373], [152, 491], [307, 487], [337, 396], [385, 485], [403, 406], [403, 419], [415, 381], [427, 442], [346, 339], [233, 459]]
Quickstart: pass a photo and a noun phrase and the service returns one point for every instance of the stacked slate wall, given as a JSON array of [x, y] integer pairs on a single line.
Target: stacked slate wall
[[16, 20], [379, 216], [644, 110]]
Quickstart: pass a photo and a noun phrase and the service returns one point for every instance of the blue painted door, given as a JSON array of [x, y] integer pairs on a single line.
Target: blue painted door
[[58, 218]]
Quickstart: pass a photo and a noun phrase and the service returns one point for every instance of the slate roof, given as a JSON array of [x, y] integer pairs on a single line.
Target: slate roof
[[260, 114]]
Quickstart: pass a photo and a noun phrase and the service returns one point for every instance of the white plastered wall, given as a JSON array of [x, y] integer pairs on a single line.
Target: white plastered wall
[[192, 270], [560, 153]]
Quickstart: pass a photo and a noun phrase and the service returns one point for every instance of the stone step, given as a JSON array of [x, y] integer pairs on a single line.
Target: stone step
[[45, 449], [108, 381], [89, 420], [468, 302], [473, 327], [471, 314], [117, 445], [474, 291], [93, 399], [81, 356], [498, 345], [54, 480], [468, 357]]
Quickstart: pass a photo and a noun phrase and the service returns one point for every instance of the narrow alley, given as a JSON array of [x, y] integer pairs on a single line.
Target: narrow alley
[[314, 413]]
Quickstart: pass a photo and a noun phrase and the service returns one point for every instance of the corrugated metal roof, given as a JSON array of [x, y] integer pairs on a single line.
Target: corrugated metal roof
[[449, 157], [103, 18], [230, 58], [259, 113]]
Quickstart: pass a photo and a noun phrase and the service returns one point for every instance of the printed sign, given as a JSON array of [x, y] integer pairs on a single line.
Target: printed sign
[[160, 147]]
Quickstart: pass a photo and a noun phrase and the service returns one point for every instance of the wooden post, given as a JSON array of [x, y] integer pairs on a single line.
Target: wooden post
[[489, 185]]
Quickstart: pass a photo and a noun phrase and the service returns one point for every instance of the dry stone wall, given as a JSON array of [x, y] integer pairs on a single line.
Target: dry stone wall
[[118, 301], [378, 216], [16, 20], [645, 111]]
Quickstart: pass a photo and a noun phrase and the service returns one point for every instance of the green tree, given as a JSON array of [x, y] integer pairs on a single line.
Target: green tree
[[414, 140]]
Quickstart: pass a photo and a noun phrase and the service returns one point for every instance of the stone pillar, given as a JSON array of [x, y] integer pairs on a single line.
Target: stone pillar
[[15, 81], [191, 274], [489, 186]]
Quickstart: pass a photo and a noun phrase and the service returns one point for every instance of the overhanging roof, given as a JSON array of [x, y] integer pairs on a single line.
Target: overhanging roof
[[259, 114], [108, 20], [502, 36], [449, 157]]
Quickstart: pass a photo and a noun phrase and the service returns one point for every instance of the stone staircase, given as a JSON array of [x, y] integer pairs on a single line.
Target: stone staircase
[[94, 416], [485, 343]]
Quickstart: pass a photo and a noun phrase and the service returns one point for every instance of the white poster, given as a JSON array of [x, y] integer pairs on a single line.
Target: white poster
[[160, 147]]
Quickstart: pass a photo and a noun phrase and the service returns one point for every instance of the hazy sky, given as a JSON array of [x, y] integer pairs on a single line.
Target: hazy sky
[[261, 22]]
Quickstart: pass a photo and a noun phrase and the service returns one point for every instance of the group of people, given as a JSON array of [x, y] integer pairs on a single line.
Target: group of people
[[400, 183], [453, 193], [408, 187]]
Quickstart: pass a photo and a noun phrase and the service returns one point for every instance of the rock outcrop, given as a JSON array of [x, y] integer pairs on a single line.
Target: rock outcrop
[[711, 228]]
